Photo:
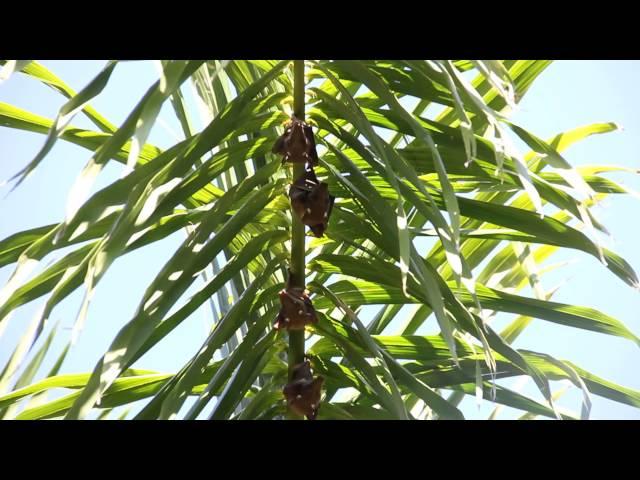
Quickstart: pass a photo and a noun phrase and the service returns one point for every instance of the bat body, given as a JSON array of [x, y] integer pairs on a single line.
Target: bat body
[[296, 311], [297, 144], [311, 201], [303, 392]]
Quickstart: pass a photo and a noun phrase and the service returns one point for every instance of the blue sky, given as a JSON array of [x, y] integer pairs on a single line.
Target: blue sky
[[568, 94]]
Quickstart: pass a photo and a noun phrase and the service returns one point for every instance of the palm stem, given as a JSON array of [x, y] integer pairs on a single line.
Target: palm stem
[[297, 264]]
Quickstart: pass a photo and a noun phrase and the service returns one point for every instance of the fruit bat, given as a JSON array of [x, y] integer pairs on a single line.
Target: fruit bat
[[296, 309], [303, 392], [311, 201], [297, 144]]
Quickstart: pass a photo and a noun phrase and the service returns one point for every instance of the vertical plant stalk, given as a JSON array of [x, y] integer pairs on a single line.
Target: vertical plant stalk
[[297, 263]]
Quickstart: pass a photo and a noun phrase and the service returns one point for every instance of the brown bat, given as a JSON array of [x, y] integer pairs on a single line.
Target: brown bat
[[303, 392], [311, 201], [296, 310], [297, 144]]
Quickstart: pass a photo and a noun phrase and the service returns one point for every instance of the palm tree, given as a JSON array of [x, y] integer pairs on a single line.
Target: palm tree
[[437, 219]]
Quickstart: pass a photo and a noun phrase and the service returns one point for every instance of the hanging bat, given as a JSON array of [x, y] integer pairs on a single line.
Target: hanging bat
[[297, 144], [303, 392], [311, 201], [296, 311]]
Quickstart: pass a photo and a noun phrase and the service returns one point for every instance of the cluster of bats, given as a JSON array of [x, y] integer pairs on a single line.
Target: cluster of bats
[[310, 198], [312, 204]]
